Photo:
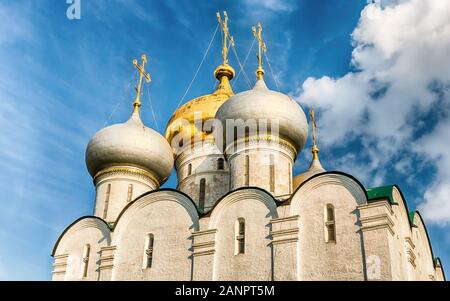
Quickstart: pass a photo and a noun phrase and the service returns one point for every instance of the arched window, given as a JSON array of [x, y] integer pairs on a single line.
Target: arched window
[[247, 170], [130, 193], [330, 224], [240, 236], [189, 169], [201, 197], [105, 207], [148, 251], [272, 173], [220, 163], [289, 175], [85, 260]]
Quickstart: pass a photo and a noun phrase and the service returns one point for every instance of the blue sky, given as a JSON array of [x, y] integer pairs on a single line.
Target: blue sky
[[381, 92]]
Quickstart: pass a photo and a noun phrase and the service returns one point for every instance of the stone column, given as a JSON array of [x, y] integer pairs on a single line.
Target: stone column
[[284, 233], [377, 230], [106, 263]]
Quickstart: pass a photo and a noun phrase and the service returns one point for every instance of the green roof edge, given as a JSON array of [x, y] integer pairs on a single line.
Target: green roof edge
[[376, 193]]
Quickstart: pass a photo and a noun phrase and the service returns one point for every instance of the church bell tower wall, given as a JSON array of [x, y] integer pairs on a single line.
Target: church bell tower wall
[[203, 174], [117, 187], [264, 164]]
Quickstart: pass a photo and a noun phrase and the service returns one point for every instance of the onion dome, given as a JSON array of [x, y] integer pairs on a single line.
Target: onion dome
[[131, 144], [315, 167], [188, 120], [262, 104]]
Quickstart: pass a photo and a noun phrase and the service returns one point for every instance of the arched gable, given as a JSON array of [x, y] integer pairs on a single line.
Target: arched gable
[[84, 222], [77, 251], [347, 181], [425, 242], [161, 195], [167, 218], [242, 194]]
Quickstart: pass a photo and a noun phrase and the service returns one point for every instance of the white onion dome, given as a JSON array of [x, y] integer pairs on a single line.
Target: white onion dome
[[130, 144], [260, 103]]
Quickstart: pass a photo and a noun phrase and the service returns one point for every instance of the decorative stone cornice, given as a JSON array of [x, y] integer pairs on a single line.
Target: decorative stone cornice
[[126, 171], [204, 242], [284, 230], [60, 264], [260, 141], [378, 221], [107, 257]]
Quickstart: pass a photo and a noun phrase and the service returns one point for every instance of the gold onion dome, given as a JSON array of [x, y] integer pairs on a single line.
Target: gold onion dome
[[184, 123], [187, 123]]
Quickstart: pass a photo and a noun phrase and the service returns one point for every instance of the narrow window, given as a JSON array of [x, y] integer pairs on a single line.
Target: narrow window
[[247, 135], [220, 163], [148, 251], [189, 171], [201, 197], [272, 174], [330, 224], [86, 251], [235, 133], [105, 208], [289, 177], [247, 169], [130, 193], [240, 236]]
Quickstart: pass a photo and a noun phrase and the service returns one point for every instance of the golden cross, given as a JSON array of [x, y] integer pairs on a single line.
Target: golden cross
[[261, 47], [142, 74], [315, 149], [226, 35]]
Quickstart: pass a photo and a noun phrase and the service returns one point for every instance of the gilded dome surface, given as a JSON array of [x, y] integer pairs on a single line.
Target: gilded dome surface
[[130, 144], [260, 103], [204, 108]]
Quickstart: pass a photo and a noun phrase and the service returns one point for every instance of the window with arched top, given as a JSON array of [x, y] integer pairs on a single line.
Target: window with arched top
[[85, 260], [201, 197], [106, 204], [240, 236], [330, 224], [148, 251], [247, 170], [189, 169], [220, 163], [130, 193], [272, 173]]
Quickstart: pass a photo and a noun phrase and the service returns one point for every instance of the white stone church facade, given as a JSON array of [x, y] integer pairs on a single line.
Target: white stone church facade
[[238, 212]]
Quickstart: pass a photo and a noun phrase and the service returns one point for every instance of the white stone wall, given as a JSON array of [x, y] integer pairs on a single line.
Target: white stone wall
[[319, 259], [69, 250], [256, 208], [374, 241], [171, 218]]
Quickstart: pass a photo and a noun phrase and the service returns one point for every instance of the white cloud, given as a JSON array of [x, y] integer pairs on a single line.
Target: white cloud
[[401, 53]]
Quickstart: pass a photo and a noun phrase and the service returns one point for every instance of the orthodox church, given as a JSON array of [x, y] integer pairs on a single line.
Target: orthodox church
[[238, 212]]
